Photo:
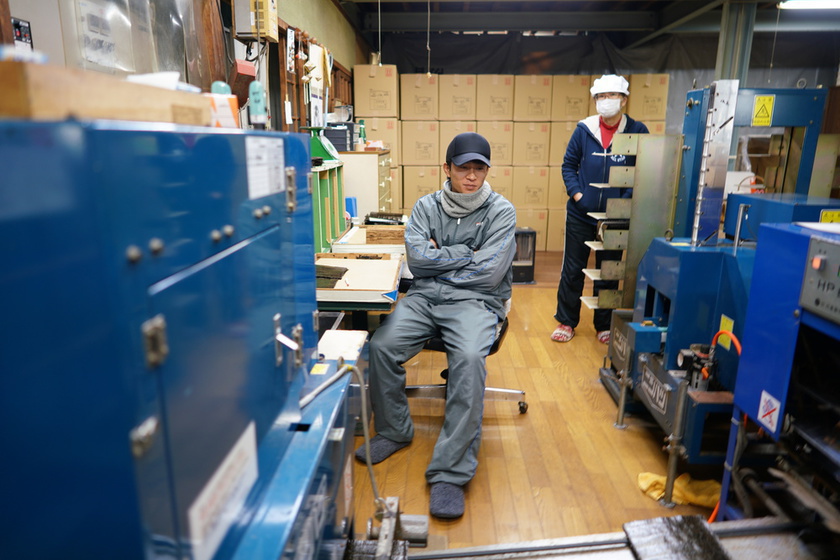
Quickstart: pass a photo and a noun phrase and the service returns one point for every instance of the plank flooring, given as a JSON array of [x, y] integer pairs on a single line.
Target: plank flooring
[[562, 469]]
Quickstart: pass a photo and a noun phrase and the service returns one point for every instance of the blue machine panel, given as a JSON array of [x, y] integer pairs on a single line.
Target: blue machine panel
[[774, 319], [773, 208], [144, 266], [688, 289]]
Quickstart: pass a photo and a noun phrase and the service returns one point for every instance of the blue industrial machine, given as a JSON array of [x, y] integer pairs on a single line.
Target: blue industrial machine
[[788, 383], [676, 354], [159, 330]]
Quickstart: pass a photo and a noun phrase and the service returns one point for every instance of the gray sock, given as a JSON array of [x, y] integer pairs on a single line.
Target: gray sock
[[380, 449], [447, 500]]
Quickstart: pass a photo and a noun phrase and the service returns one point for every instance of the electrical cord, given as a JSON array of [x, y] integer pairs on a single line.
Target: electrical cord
[[381, 506]]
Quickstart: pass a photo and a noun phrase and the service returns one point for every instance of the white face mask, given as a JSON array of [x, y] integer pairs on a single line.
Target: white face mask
[[608, 108]]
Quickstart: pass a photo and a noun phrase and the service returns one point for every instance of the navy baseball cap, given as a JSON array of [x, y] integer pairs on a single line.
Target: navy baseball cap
[[468, 146]]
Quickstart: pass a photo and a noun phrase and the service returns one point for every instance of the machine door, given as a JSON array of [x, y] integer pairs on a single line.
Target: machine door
[[221, 385]]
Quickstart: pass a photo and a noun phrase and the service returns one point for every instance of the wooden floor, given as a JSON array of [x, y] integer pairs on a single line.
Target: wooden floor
[[562, 469]]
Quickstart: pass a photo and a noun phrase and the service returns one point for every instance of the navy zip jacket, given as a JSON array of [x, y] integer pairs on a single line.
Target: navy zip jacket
[[587, 162]]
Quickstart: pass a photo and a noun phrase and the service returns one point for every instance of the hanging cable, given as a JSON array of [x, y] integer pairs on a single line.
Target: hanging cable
[[773, 50], [379, 31], [428, 32]]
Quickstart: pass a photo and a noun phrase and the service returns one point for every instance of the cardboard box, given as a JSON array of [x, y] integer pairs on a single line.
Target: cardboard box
[[570, 98], [557, 195], [501, 180], [376, 90], [224, 110], [418, 97], [494, 97], [561, 132], [532, 98], [457, 97], [555, 238], [386, 130], [531, 141], [451, 129], [420, 143], [396, 179], [536, 219], [530, 187], [500, 136], [655, 127], [648, 99], [418, 181], [46, 92], [592, 109]]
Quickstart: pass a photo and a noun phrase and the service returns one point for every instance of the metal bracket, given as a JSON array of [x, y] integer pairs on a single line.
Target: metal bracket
[[281, 340], [291, 189], [395, 525], [143, 436], [297, 335], [154, 341]]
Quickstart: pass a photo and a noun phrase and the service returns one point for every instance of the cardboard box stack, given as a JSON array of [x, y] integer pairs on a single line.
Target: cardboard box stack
[[528, 120], [376, 92]]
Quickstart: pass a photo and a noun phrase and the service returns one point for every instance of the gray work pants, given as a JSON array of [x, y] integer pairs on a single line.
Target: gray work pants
[[469, 329]]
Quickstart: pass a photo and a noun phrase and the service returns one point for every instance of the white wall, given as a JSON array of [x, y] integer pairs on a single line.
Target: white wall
[[43, 15], [323, 20]]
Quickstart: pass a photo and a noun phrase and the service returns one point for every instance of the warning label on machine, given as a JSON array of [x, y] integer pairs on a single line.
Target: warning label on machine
[[768, 411], [762, 114]]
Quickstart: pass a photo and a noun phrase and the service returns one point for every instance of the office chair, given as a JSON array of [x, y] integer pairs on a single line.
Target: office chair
[[438, 391]]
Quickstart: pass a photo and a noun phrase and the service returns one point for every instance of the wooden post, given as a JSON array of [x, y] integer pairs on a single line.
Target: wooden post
[[6, 32]]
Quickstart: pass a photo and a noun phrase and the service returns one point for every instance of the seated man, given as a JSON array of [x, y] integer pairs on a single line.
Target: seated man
[[460, 243]]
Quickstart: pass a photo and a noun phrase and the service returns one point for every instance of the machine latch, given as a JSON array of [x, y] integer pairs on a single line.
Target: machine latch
[[281, 340], [143, 436], [154, 341], [297, 334], [291, 189]]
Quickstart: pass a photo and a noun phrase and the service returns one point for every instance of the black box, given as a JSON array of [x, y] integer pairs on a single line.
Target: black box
[[342, 135], [526, 252]]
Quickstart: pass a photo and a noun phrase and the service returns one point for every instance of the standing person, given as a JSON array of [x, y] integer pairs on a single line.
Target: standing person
[[588, 160], [459, 244]]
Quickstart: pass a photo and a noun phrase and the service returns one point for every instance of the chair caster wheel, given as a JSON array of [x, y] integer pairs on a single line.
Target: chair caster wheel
[[523, 407]]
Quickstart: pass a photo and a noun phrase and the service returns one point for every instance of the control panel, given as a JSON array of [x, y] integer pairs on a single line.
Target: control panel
[[821, 284], [23, 34]]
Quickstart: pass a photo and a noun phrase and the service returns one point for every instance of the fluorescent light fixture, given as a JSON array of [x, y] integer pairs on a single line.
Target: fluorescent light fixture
[[810, 5]]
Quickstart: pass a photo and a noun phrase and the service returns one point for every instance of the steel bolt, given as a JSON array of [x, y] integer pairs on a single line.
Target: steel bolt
[[156, 245], [133, 253]]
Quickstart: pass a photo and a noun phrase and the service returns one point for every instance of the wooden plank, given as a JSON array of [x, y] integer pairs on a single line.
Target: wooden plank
[[48, 92]]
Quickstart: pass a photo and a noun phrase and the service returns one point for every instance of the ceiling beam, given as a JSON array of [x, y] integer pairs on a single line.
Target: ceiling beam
[[678, 22], [515, 21], [703, 20]]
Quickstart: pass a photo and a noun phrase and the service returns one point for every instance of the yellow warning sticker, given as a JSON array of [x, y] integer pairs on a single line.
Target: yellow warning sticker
[[830, 216], [319, 369], [763, 110], [726, 324]]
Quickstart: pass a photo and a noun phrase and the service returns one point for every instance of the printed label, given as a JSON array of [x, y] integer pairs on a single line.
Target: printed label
[[768, 411], [220, 501], [655, 390]]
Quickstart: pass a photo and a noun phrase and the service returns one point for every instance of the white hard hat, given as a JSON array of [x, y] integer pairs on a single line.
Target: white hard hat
[[609, 83]]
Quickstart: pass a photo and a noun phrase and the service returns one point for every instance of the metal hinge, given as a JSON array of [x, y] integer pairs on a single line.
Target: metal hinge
[[143, 436], [154, 341], [291, 189]]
